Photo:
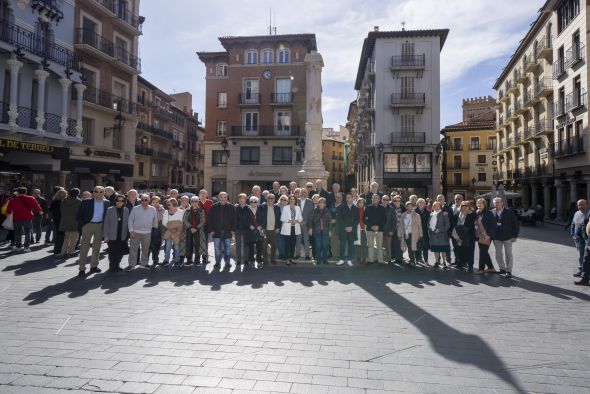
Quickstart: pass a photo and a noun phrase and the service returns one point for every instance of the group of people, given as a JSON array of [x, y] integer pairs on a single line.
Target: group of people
[[286, 223]]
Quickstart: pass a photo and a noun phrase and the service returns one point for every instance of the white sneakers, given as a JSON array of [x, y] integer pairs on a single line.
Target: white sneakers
[[340, 262], [349, 263]]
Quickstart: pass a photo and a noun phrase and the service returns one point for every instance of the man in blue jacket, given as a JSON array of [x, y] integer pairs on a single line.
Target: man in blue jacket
[[90, 218]]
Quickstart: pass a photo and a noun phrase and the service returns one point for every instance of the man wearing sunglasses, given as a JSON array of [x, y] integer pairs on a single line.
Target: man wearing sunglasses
[[90, 218]]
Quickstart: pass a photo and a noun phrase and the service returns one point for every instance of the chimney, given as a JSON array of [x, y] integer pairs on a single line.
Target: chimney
[[376, 28]]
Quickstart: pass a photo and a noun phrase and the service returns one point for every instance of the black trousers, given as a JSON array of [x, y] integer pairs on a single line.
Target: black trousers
[[192, 245], [396, 249], [255, 248], [155, 246], [423, 248], [485, 261], [290, 241], [116, 252], [58, 242]]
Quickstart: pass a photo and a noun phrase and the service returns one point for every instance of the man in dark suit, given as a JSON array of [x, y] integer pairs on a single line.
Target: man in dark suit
[[272, 227], [506, 234], [90, 218], [306, 206], [319, 189], [348, 217]]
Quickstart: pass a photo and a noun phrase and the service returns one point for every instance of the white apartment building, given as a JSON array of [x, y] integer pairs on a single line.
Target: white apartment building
[[398, 85]]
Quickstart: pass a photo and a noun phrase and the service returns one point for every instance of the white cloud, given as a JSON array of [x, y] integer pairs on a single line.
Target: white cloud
[[480, 31]]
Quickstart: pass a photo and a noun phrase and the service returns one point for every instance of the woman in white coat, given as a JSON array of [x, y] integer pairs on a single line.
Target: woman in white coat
[[291, 227]]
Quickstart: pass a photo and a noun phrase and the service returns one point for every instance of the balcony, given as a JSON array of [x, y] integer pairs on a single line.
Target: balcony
[[517, 138], [502, 96], [144, 151], [27, 119], [399, 138], [575, 100], [282, 98], [510, 115], [475, 147], [122, 13], [558, 68], [531, 64], [458, 166], [408, 100], [86, 39], [528, 98], [162, 155], [511, 87], [544, 127], [106, 100], [155, 131], [500, 121], [265, 131], [455, 147], [491, 146], [408, 62], [38, 46], [49, 9], [543, 87], [569, 146], [527, 132], [518, 107], [519, 75], [574, 55], [162, 111], [559, 108], [247, 99], [545, 48]]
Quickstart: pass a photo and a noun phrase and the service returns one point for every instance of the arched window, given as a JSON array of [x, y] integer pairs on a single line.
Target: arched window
[[221, 70], [251, 57], [284, 56], [267, 56]]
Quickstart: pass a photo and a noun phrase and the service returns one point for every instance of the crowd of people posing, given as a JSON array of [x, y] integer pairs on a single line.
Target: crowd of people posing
[[285, 223]]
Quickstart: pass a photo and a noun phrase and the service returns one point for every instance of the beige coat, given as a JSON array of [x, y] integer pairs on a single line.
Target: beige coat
[[416, 232]]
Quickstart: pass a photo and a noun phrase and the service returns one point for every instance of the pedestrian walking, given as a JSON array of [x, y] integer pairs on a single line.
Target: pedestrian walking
[[142, 219], [90, 219], [116, 232], [22, 207], [507, 228], [39, 218]]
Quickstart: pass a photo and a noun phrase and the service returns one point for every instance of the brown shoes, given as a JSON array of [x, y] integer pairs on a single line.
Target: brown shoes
[[582, 282]]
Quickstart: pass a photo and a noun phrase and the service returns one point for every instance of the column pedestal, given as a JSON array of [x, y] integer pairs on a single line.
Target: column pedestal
[[40, 119], [14, 66], [547, 199], [534, 199], [80, 92], [65, 85], [573, 189]]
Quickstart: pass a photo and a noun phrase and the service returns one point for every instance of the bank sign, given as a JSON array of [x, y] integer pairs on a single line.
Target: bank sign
[[21, 146]]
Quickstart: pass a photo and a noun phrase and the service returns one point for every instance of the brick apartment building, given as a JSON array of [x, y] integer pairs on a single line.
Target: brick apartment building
[[255, 111]]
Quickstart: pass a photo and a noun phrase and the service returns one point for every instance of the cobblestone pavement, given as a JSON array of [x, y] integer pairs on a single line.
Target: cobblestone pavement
[[298, 329]]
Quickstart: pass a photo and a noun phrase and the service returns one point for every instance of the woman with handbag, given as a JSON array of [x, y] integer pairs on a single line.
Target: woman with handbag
[[291, 218], [172, 220], [485, 229], [410, 232], [115, 232], [438, 233]]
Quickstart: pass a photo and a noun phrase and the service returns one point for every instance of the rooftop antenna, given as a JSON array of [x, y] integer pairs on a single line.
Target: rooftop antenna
[[275, 18], [403, 26]]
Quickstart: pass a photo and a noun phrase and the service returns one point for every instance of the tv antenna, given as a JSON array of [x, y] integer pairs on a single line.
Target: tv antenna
[[403, 26], [271, 28]]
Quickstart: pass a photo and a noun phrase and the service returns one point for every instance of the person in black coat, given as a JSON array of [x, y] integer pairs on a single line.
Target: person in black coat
[[485, 230], [319, 189], [272, 229], [348, 217], [507, 229], [423, 245], [464, 236], [241, 226], [254, 220]]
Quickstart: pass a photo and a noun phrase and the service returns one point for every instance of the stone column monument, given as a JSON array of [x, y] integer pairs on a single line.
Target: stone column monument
[[313, 166]]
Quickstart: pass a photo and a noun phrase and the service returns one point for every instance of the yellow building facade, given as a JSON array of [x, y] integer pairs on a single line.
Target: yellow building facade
[[333, 157]]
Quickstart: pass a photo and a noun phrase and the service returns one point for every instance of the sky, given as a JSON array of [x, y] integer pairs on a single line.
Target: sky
[[483, 35]]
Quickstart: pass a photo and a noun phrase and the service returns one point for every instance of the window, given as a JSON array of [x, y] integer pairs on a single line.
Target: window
[[117, 138], [283, 94], [249, 155], [566, 12], [457, 144], [218, 186], [221, 70], [407, 86], [457, 179], [282, 155], [221, 129], [218, 158], [283, 123], [154, 169], [481, 159], [481, 177], [284, 55], [87, 131], [474, 143], [407, 50], [267, 56], [251, 90], [140, 168], [251, 123], [491, 143], [407, 123], [457, 162], [222, 99], [251, 57]]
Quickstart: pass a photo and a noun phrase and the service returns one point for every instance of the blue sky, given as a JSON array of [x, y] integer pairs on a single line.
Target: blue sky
[[482, 38]]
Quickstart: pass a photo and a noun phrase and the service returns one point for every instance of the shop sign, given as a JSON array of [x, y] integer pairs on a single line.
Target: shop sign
[[102, 153], [21, 146], [268, 174]]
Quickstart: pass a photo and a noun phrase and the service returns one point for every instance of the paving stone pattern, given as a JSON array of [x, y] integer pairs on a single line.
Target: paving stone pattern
[[298, 329]]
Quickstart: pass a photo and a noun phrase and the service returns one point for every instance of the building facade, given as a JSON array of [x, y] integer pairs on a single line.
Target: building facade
[[398, 85], [106, 35], [334, 154], [353, 161], [469, 165], [255, 111], [39, 126], [542, 118]]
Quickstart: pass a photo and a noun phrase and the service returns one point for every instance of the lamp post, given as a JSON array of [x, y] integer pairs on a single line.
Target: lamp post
[[440, 150], [224, 145], [380, 148]]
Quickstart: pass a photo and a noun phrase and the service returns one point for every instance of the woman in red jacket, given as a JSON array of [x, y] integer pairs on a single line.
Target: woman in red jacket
[[22, 207]]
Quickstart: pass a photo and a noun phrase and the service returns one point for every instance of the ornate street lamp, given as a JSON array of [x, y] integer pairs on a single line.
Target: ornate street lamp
[[224, 145], [380, 148]]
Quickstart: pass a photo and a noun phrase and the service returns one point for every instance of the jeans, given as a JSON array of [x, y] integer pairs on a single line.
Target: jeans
[[50, 229], [346, 242], [321, 246], [218, 243], [581, 247], [37, 219], [169, 245], [21, 227]]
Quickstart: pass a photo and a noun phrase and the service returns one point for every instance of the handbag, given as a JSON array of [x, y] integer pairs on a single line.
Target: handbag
[[484, 238], [8, 223]]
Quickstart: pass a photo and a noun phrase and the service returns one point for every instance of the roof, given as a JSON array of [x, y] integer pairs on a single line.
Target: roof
[[463, 126], [526, 41], [204, 56], [308, 38], [369, 44], [153, 87]]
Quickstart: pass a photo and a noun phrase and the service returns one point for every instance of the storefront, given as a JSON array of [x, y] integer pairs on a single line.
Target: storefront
[[36, 166], [85, 174]]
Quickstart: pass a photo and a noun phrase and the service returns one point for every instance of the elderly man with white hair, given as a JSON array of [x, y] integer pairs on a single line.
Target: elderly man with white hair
[[506, 234], [142, 219]]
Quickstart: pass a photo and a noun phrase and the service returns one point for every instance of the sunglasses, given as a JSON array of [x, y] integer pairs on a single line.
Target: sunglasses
[[98, 191], [145, 199]]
